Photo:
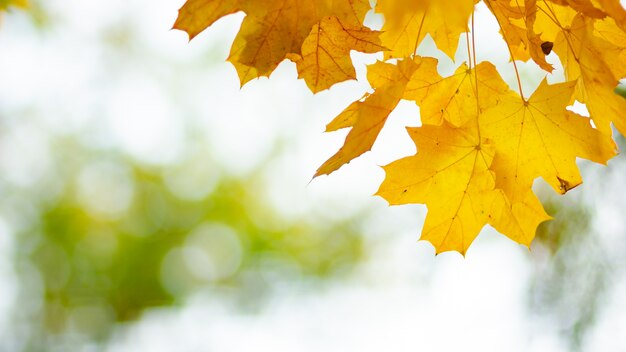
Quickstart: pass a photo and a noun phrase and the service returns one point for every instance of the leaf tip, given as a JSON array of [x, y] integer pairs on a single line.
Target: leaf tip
[[439, 251], [318, 173], [189, 35]]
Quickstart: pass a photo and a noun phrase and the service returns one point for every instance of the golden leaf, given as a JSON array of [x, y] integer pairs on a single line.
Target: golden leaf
[[451, 175], [197, 15], [408, 21], [368, 116], [271, 30], [539, 137], [325, 58], [454, 98]]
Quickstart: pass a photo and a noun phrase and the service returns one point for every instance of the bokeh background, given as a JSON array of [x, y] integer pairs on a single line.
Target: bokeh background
[[147, 203]]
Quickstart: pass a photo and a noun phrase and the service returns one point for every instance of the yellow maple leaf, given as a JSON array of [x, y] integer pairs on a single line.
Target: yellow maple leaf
[[511, 20], [408, 21], [593, 53], [351, 12], [325, 58], [517, 27], [453, 98], [592, 50], [585, 7], [551, 19], [270, 32], [451, 174], [539, 137], [615, 10], [197, 15], [368, 115]]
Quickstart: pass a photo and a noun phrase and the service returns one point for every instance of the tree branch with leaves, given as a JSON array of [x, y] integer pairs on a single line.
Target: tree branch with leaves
[[481, 144]]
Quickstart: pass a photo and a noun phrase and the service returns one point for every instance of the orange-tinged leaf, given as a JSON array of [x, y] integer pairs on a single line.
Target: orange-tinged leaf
[[535, 43], [197, 15], [615, 10], [271, 30], [368, 116], [350, 12], [325, 58]]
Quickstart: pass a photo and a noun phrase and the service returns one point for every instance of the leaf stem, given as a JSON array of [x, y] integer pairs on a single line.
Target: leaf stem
[[519, 81], [553, 17], [469, 51], [473, 56], [419, 31]]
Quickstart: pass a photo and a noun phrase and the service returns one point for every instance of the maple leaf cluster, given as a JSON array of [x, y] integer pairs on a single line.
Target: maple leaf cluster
[[481, 144]]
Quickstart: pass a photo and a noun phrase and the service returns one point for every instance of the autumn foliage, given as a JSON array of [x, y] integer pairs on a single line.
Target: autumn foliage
[[481, 144]]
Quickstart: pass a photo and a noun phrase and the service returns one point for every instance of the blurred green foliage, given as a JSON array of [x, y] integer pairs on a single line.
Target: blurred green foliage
[[100, 237], [121, 237], [572, 272]]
